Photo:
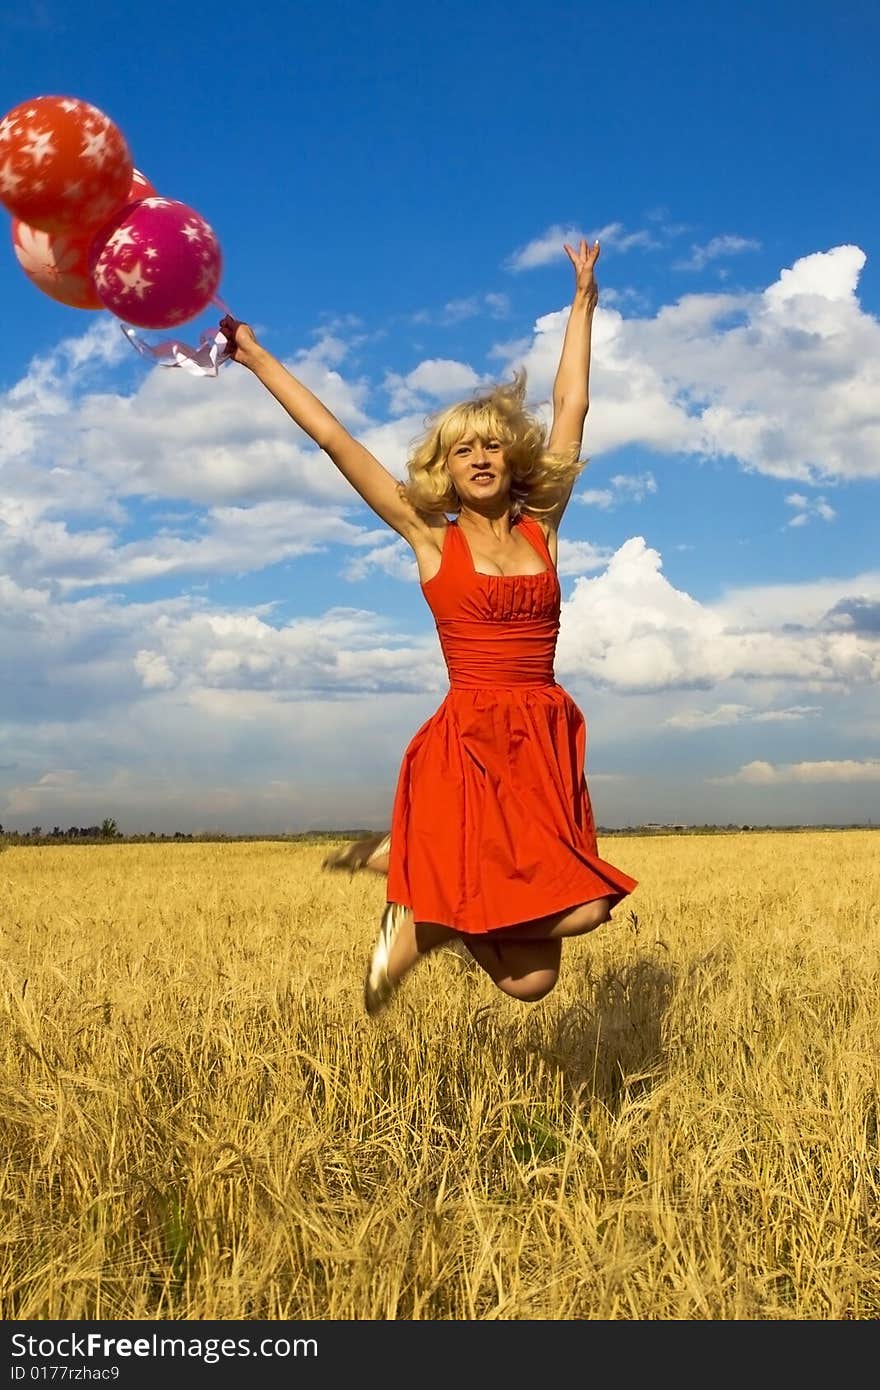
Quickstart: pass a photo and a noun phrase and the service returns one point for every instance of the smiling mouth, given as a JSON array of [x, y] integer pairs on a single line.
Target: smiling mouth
[[484, 476]]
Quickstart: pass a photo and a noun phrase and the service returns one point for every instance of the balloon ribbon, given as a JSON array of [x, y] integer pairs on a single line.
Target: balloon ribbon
[[204, 360]]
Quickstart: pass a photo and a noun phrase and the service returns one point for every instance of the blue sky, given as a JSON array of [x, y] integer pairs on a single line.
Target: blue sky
[[202, 628]]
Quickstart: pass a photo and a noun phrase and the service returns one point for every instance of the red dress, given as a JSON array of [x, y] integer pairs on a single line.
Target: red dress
[[492, 823]]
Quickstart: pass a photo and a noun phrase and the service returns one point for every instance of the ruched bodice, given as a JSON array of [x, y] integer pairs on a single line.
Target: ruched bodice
[[492, 823], [495, 629]]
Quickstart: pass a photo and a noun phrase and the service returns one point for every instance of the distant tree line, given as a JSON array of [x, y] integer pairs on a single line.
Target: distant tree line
[[108, 830]]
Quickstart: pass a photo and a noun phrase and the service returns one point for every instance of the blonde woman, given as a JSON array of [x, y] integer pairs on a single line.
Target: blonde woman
[[492, 838]]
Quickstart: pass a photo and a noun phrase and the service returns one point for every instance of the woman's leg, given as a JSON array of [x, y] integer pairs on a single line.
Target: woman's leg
[[413, 942], [522, 960], [402, 944], [526, 970], [574, 921]]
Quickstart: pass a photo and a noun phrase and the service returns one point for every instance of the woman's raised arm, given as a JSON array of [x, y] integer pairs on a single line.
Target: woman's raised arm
[[571, 389], [368, 477]]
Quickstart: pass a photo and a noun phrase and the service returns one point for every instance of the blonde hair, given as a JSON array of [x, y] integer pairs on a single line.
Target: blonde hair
[[538, 476]]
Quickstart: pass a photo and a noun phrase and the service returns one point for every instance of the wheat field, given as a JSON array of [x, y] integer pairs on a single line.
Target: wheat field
[[199, 1122]]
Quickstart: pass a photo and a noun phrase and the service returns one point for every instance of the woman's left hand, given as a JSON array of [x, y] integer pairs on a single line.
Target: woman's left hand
[[584, 261]]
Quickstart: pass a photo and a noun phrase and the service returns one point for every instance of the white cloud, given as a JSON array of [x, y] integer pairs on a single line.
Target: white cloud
[[626, 630], [725, 716], [630, 630], [579, 557], [497, 304], [392, 442], [623, 487], [549, 246], [824, 276], [601, 497], [636, 486], [66, 448], [807, 507], [394, 558], [812, 603], [154, 671], [227, 440], [436, 378], [717, 247], [228, 760], [785, 381], [546, 248], [224, 540], [180, 708], [763, 774], [458, 310], [342, 651]]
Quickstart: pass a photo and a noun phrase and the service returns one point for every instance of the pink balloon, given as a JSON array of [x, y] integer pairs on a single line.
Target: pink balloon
[[156, 264], [58, 262]]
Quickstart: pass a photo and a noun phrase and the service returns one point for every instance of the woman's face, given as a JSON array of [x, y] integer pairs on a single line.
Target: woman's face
[[478, 470]]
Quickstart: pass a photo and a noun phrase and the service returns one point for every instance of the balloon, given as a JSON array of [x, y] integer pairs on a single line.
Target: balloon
[[156, 264], [58, 262], [64, 165], [140, 187]]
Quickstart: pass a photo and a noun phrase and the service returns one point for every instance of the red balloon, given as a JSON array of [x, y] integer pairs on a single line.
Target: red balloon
[[64, 165], [58, 262], [140, 187], [156, 264]]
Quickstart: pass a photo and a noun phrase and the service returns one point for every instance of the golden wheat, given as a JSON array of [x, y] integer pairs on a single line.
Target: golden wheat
[[199, 1122]]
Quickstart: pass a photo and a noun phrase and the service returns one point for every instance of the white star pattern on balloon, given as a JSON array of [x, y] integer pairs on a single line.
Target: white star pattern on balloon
[[9, 179], [95, 148], [8, 127], [103, 120], [33, 247], [133, 280], [151, 253], [101, 274], [69, 106], [191, 231], [206, 279], [73, 190], [40, 146], [121, 237]]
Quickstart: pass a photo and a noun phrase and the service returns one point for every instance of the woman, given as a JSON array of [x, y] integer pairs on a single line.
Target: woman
[[492, 837]]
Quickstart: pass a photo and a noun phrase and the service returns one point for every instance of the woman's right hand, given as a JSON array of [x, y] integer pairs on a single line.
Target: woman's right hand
[[243, 345]]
